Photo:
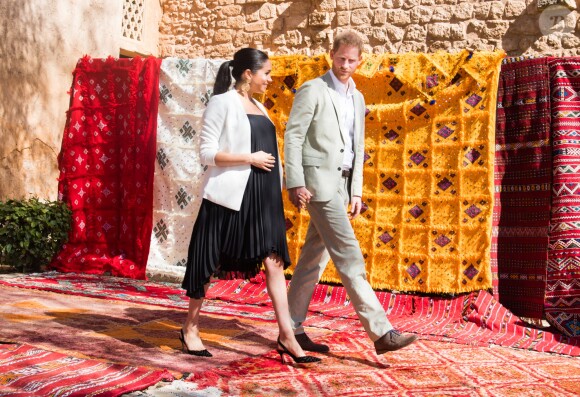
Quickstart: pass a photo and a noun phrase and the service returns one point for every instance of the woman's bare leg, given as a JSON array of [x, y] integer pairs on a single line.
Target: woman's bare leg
[[191, 324], [276, 284]]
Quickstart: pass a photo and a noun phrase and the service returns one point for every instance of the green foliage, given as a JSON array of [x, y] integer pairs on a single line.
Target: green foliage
[[32, 232]]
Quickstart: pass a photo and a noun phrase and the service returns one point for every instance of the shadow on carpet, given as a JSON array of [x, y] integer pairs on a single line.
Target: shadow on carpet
[[474, 319]]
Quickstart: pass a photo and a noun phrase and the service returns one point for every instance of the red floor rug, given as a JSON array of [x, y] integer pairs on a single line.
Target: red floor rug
[[131, 334], [29, 371], [426, 368], [475, 318]]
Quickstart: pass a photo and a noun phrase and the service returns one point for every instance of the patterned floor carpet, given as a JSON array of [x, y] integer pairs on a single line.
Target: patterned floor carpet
[[135, 332]]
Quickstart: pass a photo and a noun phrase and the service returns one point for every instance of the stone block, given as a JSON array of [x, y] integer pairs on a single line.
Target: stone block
[[279, 40], [412, 47], [463, 11], [496, 10], [420, 15], [262, 37], [343, 18], [319, 19], [222, 36], [355, 4], [326, 5], [243, 39], [570, 41], [231, 10], [395, 34], [376, 3], [380, 17], [236, 22], [268, 11], [392, 4], [342, 5], [293, 38], [457, 31], [409, 4], [440, 46], [361, 16], [255, 26], [398, 17], [438, 31], [481, 10], [416, 33], [495, 30], [380, 34], [514, 8], [441, 14]]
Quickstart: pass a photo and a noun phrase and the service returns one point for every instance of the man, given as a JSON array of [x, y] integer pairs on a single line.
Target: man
[[323, 152]]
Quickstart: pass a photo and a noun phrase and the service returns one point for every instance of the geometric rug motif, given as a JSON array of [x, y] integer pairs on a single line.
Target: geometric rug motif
[[106, 166], [562, 304], [185, 85], [428, 166], [29, 371], [523, 176], [138, 335], [426, 368], [473, 319]]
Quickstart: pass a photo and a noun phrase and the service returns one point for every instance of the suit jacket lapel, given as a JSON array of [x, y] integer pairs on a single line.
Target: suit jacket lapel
[[335, 102], [358, 110]]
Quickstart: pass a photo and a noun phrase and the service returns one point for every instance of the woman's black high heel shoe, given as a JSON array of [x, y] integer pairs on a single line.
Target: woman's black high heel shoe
[[298, 360], [199, 353]]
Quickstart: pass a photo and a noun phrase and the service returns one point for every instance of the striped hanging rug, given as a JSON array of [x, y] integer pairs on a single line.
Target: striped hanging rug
[[523, 176], [562, 305]]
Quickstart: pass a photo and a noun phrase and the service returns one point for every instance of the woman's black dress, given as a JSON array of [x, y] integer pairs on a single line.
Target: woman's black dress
[[232, 244]]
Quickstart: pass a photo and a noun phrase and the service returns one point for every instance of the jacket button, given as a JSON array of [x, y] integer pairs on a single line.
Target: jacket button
[[341, 150], [339, 168]]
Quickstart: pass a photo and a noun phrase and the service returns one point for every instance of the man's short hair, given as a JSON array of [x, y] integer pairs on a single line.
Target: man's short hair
[[350, 38]]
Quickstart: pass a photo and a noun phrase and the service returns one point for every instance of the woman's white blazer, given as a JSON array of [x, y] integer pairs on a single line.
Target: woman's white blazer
[[226, 128]]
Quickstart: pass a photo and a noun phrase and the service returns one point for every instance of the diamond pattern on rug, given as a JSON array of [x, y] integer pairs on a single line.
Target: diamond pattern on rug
[[29, 371], [424, 368], [475, 318]]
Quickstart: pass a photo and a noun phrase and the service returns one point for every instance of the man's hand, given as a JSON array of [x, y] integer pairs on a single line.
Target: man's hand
[[299, 196], [355, 207]]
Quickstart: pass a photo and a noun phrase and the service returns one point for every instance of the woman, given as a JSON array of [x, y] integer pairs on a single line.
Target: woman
[[241, 223]]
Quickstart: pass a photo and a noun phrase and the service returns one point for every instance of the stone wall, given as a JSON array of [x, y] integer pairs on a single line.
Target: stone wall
[[216, 28], [41, 43]]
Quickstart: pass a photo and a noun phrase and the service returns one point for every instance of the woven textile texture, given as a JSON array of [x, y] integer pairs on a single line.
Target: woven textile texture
[[29, 371], [475, 318], [562, 305], [107, 165], [185, 87], [428, 175], [523, 177], [425, 368]]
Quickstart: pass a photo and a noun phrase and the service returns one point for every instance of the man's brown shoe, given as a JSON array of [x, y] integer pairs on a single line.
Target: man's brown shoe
[[393, 340], [307, 344]]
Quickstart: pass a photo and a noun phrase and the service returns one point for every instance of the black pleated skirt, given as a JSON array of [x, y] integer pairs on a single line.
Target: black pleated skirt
[[231, 244]]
